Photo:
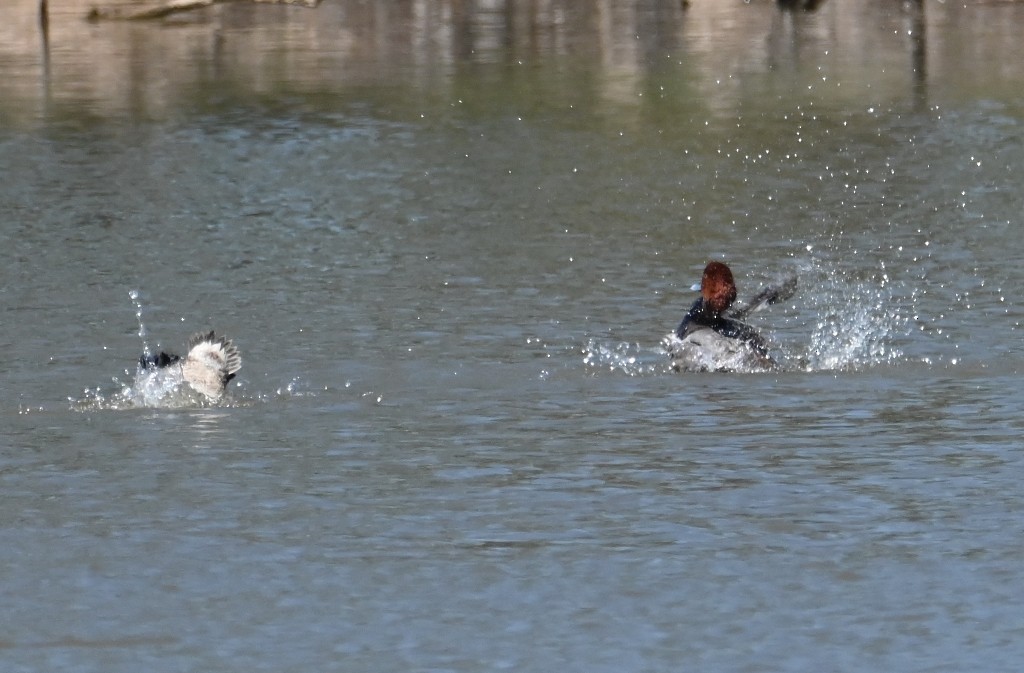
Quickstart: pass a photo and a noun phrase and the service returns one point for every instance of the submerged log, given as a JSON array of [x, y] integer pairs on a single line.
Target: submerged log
[[174, 7]]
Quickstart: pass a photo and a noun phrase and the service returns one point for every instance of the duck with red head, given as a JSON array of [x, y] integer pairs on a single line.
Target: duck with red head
[[708, 340], [717, 288]]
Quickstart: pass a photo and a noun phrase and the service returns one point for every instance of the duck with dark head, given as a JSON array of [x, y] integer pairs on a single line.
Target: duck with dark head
[[711, 338]]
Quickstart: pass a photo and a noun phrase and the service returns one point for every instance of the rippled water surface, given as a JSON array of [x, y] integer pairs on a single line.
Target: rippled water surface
[[448, 239]]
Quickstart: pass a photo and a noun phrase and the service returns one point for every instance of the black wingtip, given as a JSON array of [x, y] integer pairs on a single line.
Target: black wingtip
[[784, 291], [772, 294]]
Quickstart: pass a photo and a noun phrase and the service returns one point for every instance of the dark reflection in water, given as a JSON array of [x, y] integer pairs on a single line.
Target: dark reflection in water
[[919, 52]]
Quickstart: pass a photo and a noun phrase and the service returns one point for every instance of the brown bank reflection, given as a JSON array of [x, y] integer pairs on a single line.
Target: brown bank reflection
[[622, 53]]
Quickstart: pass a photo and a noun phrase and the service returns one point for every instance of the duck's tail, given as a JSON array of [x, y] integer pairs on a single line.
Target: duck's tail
[[216, 352]]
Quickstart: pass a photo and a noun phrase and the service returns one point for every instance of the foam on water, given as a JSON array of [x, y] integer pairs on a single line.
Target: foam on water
[[150, 389]]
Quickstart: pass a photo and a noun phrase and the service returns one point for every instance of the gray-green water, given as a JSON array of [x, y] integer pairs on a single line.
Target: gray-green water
[[448, 245]]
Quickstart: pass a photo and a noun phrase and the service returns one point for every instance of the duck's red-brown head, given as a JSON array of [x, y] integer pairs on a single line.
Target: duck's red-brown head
[[717, 287]]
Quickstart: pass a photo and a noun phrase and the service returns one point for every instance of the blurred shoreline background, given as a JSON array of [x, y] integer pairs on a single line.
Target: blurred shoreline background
[[881, 52]]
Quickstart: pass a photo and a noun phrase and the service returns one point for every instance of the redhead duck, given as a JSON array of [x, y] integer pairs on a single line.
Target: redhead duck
[[709, 340], [210, 364]]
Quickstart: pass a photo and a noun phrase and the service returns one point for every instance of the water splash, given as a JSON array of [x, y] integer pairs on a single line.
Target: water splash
[[150, 387], [839, 320], [135, 297], [295, 388], [631, 359], [155, 388], [857, 318]]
